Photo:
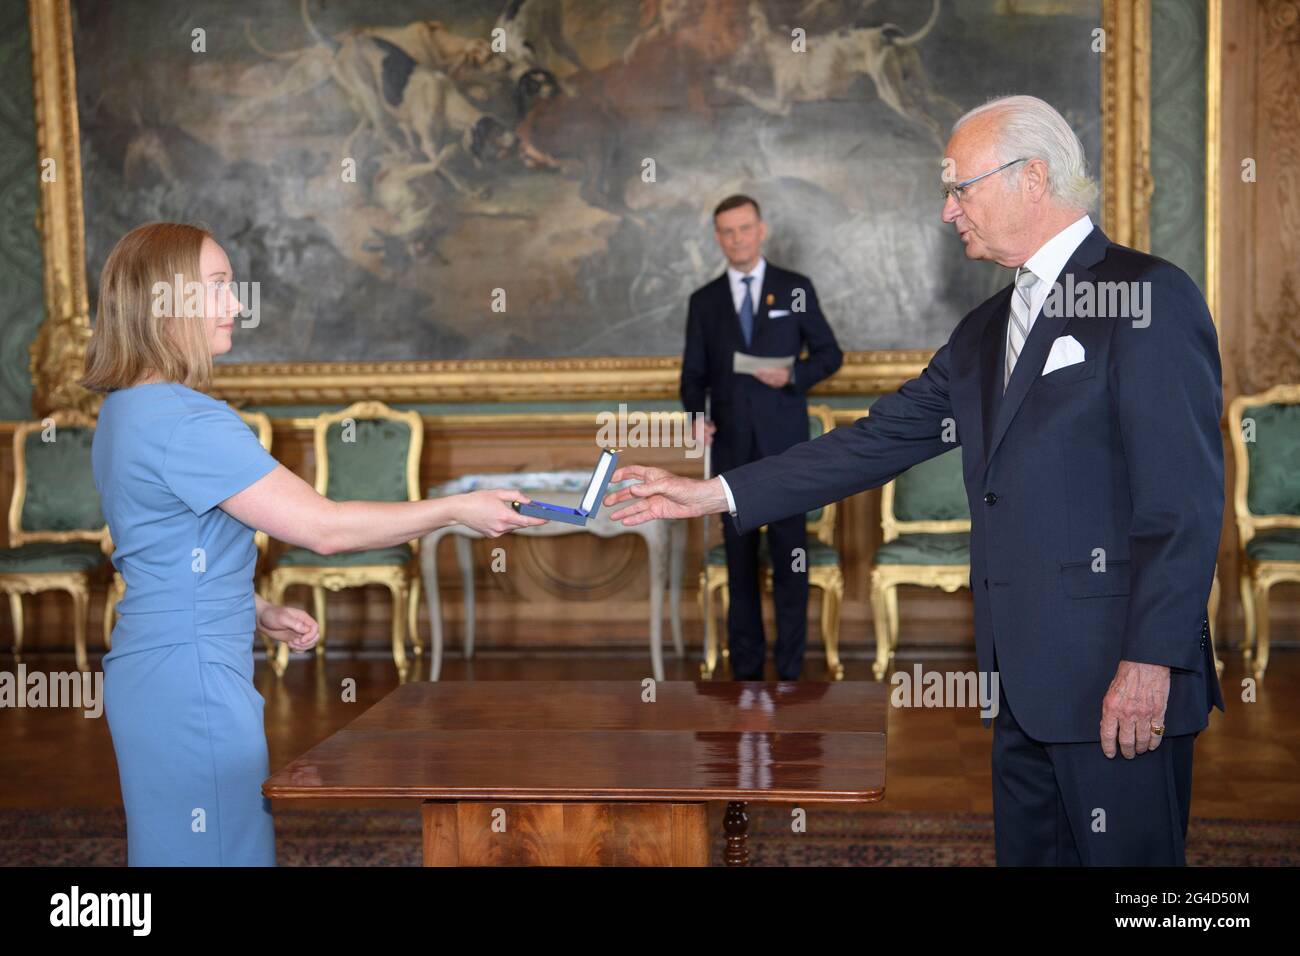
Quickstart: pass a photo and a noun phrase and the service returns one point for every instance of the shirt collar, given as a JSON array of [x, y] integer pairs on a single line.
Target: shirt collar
[[1052, 256], [735, 275]]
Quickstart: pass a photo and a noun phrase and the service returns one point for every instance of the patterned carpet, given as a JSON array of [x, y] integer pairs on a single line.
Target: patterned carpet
[[834, 838]]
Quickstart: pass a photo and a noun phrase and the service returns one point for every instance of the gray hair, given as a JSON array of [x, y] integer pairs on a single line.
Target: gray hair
[[1031, 128]]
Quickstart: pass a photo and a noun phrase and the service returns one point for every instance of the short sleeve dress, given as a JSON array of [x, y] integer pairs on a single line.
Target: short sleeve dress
[[186, 720]]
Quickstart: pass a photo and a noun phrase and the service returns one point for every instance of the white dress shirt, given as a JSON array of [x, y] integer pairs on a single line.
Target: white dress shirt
[[1046, 264], [734, 276], [1049, 260]]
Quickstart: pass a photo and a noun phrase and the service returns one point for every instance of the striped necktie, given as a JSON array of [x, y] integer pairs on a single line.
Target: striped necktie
[[1021, 320]]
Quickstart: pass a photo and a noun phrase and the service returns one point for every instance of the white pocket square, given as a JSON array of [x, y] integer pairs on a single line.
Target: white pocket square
[[1065, 351], [777, 313]]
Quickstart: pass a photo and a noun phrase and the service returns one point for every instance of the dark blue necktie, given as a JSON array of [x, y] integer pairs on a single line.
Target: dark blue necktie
[[747, 312]]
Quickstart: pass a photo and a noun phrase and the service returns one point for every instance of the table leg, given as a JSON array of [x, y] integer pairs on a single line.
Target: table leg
[[677, 558], [736, 823], [465, 558], [429, 570], [656, 546]]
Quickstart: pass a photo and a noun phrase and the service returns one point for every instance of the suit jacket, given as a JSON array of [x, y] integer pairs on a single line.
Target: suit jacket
[[1121, 452], [741, 404]]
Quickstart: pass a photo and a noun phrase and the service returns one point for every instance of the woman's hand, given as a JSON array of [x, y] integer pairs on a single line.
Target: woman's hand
[[289, 625], [489, 512]]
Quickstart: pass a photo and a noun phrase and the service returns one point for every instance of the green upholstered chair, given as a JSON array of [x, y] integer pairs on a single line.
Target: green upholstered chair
[[261, 427], [57, 534], [372, 452], [824, 572], [925, 527], [1265, 432]]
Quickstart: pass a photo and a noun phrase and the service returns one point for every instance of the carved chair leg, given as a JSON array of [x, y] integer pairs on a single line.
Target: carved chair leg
[[277, 653], [1261, 627], [398, 590], [725, 588], [413, 618], [80, 618], [16, 611], [1248, 613], [319, 610], [831, 599], [880, 617], [1212, 615], [710, 662], [110, 612]]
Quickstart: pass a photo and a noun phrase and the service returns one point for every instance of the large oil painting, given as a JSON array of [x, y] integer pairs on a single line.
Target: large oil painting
[[451, 179]]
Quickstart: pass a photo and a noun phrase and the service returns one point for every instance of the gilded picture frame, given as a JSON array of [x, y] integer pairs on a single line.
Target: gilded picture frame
[[58, 350]]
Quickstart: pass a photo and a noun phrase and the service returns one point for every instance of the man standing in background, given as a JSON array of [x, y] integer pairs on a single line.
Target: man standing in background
[[757, 309]]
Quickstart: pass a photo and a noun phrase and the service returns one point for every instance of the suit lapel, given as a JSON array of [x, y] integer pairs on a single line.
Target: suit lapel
[[990, 362], [727, 306], [760, 303], [1029, 365]]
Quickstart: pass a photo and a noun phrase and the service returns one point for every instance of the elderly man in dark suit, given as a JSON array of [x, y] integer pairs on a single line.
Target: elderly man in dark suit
[[759, 309], [1094, 468]]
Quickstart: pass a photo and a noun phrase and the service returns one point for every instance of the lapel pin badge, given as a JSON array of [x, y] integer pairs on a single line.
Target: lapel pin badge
[[770, 298]]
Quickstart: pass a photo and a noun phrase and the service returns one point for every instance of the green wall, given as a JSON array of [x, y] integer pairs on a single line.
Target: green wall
[[1178, 134], [21, 301]]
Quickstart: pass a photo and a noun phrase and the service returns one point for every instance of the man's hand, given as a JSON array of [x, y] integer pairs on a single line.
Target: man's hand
[[704, 430], [289, 625], [661, 494], [775, 377], [1134, 703]]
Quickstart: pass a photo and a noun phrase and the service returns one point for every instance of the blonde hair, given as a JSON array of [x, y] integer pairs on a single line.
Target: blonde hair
[[132, 337]]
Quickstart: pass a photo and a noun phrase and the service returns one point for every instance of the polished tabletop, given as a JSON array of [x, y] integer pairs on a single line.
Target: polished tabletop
[[600, 740]]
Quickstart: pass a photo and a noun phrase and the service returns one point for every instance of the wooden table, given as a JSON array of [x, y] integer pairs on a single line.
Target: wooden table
[[591, 773]]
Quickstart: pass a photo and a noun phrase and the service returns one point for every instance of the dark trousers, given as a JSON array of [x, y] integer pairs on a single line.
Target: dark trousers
[[745, 638], [1068, 805]]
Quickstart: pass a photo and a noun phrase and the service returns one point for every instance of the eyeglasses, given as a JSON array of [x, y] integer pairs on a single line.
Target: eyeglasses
[[958, 190]]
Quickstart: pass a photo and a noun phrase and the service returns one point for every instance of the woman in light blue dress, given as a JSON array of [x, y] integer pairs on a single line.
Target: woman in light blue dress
[[184, 485]]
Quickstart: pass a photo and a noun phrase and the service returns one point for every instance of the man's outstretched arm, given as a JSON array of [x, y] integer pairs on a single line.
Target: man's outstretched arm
[[904, 428]]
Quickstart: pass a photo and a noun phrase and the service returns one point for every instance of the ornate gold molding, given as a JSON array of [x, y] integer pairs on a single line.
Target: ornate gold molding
[[57, 353], [1126, 122], [514, 380]]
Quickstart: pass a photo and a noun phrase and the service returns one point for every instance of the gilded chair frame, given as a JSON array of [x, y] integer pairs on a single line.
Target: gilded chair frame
[[1256, 577], [828, 578], [260, 424], [403, 582], [885, 578], [76, 583]]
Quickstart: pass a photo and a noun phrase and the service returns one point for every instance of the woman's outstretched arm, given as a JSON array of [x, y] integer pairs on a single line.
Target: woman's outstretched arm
[[286, 507]]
